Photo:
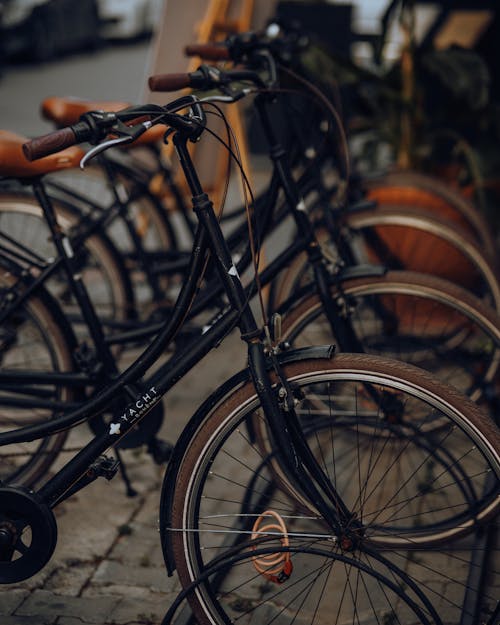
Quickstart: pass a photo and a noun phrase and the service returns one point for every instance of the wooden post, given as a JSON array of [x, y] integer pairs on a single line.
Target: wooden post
[[220, 19]]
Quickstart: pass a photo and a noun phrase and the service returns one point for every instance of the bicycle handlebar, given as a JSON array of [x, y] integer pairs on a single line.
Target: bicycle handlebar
[[92, 128], [54, 141], [169, 82], [208, 51], [248, 46], [126, 125], [204, 78]]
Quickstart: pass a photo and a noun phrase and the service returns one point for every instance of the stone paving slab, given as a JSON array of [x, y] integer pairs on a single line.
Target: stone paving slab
[[34, 620], [9, 601], [45, 603]]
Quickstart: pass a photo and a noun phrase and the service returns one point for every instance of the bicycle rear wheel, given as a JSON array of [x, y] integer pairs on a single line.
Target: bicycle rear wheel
[[413, 494], [102, 270], [33, 338]]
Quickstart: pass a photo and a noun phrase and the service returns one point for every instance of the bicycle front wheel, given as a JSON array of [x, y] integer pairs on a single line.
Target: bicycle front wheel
[[413, 317], [420, 190], [405, 238], [400, 238], [410, 492]]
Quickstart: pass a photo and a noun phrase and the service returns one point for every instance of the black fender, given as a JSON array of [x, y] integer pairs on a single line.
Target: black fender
[[347, 273], [323, 352], [359, 271]]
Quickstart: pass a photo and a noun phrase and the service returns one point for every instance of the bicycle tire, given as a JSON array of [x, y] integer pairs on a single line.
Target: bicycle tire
[[145, 214], [419, 190], [103, 271], [35, 337], [218, 484], [418, 318], [409, 239]]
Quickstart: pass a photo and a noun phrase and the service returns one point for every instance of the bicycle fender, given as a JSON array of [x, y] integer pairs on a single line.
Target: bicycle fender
[[305, 353], [347, 273], [323, 352], [359, 271]]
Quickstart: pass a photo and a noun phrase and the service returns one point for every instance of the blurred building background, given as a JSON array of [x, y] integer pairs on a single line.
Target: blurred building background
[[105, 49], [40, 30]]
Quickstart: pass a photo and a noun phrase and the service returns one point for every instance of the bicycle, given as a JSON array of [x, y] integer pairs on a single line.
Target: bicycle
[[288, 432], [387, 309]]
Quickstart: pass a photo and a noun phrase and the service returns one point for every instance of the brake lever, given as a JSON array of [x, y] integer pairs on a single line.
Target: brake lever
[[127, 137], [97, 149], [229, 97]]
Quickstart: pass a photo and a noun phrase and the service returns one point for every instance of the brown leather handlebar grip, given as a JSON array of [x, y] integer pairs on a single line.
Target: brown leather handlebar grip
[[169, 82], [49, 143], [208, 51]]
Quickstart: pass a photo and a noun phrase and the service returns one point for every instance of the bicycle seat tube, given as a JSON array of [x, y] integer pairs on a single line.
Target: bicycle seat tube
[[340, 326]]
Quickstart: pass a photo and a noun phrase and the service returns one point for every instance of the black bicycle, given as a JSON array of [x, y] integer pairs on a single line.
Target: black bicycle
[[396, 236]]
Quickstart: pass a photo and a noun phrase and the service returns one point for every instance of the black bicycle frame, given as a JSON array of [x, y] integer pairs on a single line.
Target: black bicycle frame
[[306, 473]]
